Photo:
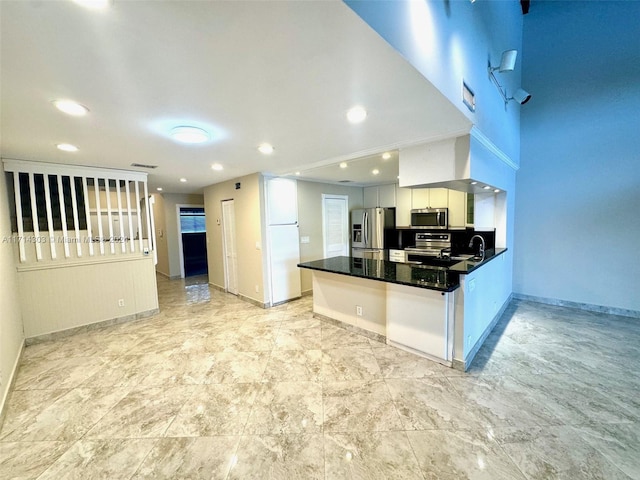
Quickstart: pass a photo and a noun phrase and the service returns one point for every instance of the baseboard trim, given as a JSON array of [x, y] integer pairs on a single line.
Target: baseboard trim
[[253, 301], [463, 365], [89, 327], [623, 312], [12, 383], [352, 328]]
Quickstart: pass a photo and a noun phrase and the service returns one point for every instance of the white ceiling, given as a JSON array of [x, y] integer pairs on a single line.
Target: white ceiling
[[250, 72]]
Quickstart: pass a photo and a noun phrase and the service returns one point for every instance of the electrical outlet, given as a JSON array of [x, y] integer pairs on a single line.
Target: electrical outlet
[[121, 302], [257, 288], [358, 310]]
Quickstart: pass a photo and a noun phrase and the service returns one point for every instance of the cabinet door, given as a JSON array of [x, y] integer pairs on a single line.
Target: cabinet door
[[457, 208], [403, 207], [371, 197], [438, 197], [387, 196], [419, 198]]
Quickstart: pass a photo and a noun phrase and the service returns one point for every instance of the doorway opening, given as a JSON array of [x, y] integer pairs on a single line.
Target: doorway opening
[[192, 240]]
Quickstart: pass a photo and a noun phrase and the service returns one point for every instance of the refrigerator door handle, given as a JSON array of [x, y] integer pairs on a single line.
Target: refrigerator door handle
[[366, 229]]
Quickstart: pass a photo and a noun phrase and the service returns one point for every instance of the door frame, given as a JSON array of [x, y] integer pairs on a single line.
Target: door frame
[[346, 226], [225, 262], [180, 248]]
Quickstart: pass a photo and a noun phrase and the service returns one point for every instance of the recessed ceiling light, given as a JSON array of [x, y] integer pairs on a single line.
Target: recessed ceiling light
[[217, 167], [474, 183], [356, 114], [183, 180], [93, 4], [265, 148], [71, 108], [297, 173], [487, 187], [343, 165], [159, 189], [375, 171], [497, 190], [67, 147], [188, 134], [386, 156]]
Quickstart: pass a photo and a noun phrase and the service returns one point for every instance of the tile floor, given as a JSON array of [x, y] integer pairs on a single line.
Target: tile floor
[[214, 388]]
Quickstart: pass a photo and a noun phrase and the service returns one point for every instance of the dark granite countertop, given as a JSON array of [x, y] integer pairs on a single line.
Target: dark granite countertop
[[443, 279]]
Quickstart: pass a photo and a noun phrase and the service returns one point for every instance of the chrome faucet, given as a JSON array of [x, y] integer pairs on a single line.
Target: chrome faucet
[[482, 245]]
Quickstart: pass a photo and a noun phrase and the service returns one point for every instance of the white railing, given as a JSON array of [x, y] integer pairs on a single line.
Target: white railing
[[91, 207]]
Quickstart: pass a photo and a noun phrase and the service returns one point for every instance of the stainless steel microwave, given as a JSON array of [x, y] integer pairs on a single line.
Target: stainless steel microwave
[[430, 218]]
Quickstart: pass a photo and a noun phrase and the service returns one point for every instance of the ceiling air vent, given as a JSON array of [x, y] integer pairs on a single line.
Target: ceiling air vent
[[345, 181], [142, 165]]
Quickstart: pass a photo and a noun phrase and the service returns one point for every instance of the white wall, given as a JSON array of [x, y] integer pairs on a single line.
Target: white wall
[[577, 219], [11, 330], [448, 41]]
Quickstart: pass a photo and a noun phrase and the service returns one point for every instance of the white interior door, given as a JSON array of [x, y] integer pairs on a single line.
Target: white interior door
[[335, 225], [284, 251], [229, 246]]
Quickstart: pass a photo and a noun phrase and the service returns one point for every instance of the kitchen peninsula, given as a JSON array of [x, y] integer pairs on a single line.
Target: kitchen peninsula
[[419, 308]]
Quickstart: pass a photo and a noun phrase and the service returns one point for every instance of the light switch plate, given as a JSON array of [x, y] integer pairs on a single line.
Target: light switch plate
[[304, 239]]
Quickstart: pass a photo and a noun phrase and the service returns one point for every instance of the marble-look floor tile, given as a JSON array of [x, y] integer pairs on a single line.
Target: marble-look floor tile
[[452, 455], [294, 365], [279, 457], [303, 320], [41, 374], [24, 461], [195, 458], [555, 452], [286, 407], [335, 337], [237, 367], [341, 364], [68, 418], [432, 403], [298, 339], [127, 370], [144, 412], [573, 402], [396, 363], [357, 406], [620, 444], [220, 409], [23, 405], [180, 368], [370, 455], [89, 459], [254, 338], [505, 401]]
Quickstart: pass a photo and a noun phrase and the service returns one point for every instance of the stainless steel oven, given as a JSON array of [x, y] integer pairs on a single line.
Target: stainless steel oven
[[430, 218]]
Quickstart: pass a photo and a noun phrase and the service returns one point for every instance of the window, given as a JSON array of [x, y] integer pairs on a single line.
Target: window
[[192, 220]]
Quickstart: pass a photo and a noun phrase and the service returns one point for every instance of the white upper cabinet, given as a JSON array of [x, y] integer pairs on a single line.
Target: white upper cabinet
[[403, 206], [457, 209], [419, 198], [438, 197]]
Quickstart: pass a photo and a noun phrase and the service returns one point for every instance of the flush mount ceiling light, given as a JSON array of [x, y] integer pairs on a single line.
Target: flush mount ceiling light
[[71, 108], [217, 167], [507, 64], [188, 134], [343, 165], [356, 114], [375, 171], [67, 147], [93, 4], [386, 156], [183, 180], [265, 149]]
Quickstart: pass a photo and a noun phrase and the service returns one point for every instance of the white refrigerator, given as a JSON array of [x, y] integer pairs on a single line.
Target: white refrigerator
[[283, 240]]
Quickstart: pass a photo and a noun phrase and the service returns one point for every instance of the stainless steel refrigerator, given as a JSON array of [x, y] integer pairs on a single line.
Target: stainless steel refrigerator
[[368, 229]]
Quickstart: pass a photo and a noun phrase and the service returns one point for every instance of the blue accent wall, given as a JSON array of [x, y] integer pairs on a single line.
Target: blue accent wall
[[577, 222]]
